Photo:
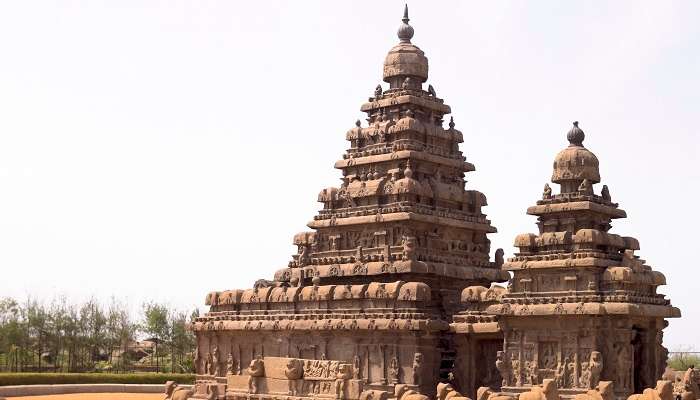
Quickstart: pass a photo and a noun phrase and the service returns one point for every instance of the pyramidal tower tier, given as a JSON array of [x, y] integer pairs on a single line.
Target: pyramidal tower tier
[[402, 211], [376, 280]]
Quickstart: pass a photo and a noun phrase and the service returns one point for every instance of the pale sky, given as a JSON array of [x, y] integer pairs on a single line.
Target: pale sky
[[161, 150]]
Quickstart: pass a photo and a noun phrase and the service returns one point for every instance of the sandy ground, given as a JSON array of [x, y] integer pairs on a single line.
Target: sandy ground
[[96, 396]]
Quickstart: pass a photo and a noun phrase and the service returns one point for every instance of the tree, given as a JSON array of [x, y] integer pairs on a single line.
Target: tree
[[156, 323]]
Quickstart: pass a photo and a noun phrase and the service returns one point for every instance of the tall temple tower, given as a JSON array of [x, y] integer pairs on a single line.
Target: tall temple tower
[[581, 306], [375, 282]]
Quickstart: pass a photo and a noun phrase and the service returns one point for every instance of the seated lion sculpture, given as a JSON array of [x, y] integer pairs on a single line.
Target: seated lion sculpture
[[402, 392], [175, 392], [485, 393], [255, 370], [547, 391], [374, 395], [663, 391], [604, 391], [445, 391], [294, 372]]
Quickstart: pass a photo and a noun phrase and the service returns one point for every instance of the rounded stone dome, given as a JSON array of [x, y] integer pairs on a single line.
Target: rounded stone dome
[[405, 59], [575, 163]]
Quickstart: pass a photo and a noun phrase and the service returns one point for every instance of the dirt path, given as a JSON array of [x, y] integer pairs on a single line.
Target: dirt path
[[96, 396]]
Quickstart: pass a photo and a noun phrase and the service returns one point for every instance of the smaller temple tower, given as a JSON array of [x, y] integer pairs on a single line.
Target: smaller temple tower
[[581, 305]]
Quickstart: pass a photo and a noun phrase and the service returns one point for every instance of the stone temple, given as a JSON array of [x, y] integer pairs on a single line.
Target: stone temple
[[391, 293]]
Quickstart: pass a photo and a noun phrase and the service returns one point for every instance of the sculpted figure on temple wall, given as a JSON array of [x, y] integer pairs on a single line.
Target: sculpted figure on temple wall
[[344, 373], [499, 258], [394, 370], [356, 363], [560, 375], [216, 362], [255, 370], [502, 368], [431, 91], [624, 362], [605, 193], [531, 372], [409, 248], [231, 364], [515, 369], [209, 364], [377, 92], [197, 360], [595, 367], [547, 192], [417, 361], [294, 372], [585, 187]]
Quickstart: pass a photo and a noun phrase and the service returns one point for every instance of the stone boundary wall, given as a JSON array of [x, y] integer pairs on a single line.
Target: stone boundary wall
[[42, 390]]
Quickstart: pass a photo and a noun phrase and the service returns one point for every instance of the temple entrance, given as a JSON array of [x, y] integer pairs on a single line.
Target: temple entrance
[[486, 373], [638, 369]]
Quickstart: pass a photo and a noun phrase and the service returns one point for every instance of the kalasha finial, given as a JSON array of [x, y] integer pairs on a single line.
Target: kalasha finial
[[452, 122], [358, 123], [405, 30], [576, 135]]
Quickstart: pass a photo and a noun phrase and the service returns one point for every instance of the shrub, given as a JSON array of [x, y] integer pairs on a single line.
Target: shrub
[[7, 379], [683, 361]]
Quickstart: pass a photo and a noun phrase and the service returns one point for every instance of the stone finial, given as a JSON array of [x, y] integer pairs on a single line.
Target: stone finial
[[575, 135], [431, 91], [405, 31], [452, 122], [358, 123]]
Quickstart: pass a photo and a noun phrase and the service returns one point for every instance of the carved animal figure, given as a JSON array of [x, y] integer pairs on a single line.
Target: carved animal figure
[[174, 392], [264, 283], [547, 391], [499, 257], [690, 382], [485, 393], [604, 391], [256, 369], [663, 391], [547, 192], [374, 395], [445, 391], [402, 392], [294, 372], [378, 91]]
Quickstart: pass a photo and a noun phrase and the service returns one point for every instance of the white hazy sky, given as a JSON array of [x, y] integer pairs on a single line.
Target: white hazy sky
[[163, 149]]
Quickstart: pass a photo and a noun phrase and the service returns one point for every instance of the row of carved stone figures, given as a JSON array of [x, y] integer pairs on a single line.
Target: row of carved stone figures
[[548, 390], [515, 373]]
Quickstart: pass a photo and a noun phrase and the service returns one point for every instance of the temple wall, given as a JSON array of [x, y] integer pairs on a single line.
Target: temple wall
[[380, 360], [563, 347]]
